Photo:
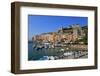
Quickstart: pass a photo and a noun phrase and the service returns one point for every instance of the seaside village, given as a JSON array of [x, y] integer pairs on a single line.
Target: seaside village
[[64, 43]]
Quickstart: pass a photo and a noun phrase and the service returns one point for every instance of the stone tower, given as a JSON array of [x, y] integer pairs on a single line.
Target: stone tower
[[77, 31]]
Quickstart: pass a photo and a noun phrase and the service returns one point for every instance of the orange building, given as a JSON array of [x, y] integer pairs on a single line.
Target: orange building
[[63, 34]]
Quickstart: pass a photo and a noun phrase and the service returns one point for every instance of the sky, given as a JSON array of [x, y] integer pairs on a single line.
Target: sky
[[38, 24]]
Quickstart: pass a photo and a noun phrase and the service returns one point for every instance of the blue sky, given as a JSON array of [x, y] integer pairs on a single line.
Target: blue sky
[[38, 24]]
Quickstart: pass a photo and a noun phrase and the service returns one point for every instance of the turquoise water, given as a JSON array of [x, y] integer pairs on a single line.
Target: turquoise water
[[34, 54]]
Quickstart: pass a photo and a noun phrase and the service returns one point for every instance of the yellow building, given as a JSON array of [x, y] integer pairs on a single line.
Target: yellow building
[[63, 34]]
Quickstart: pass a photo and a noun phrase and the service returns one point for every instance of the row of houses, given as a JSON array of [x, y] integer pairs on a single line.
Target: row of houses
[[67, 35]]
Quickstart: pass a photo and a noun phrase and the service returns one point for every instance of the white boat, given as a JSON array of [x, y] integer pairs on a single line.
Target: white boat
[[68, 53], [51, 58]]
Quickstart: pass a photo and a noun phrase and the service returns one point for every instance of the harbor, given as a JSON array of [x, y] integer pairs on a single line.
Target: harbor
[[48, 51], [65, 43]]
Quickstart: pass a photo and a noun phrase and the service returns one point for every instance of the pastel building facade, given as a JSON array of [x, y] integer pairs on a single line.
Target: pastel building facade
[[62, 35]]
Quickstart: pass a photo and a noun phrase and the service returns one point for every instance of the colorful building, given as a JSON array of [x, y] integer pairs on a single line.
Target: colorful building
[[62, 35]]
